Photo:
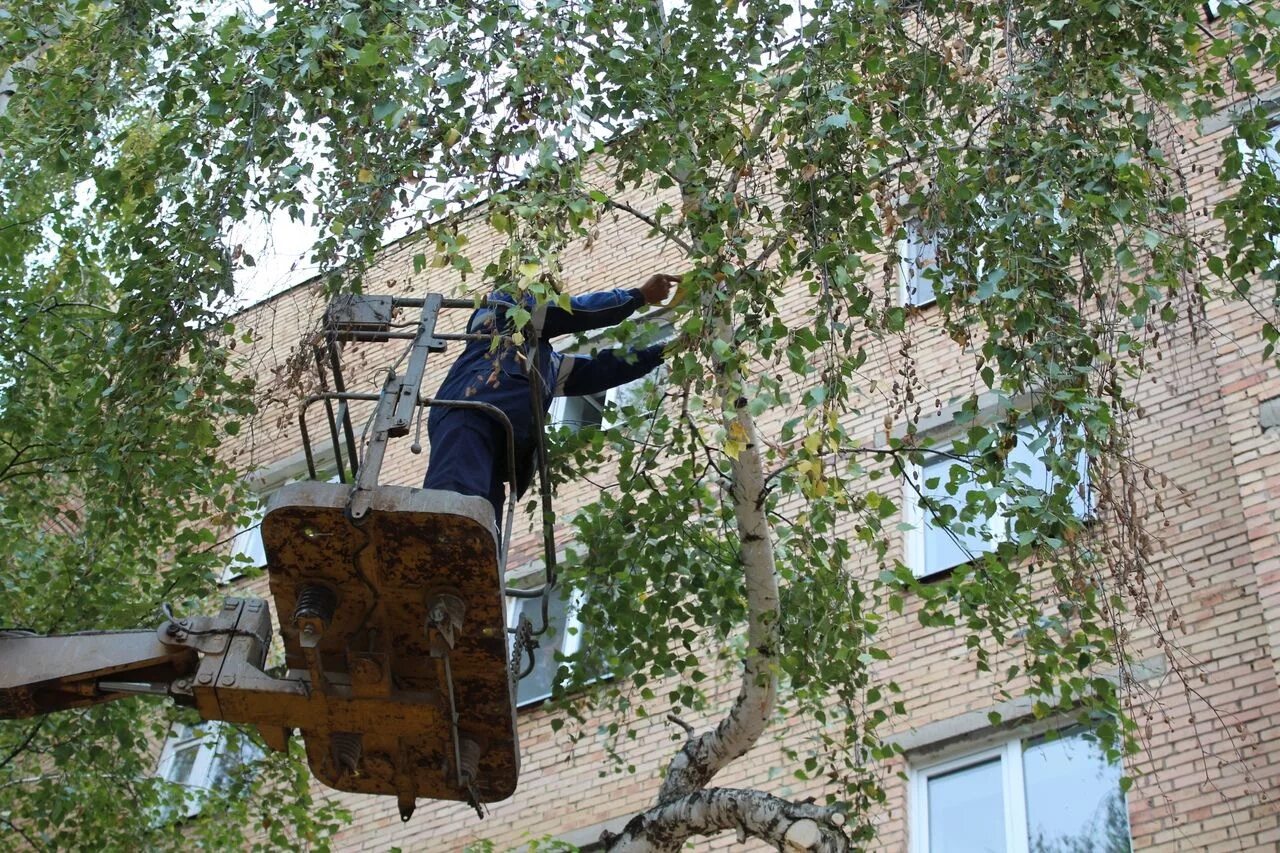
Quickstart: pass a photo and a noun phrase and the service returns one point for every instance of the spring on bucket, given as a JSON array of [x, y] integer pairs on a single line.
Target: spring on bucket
[[315, 602], [346, 750]]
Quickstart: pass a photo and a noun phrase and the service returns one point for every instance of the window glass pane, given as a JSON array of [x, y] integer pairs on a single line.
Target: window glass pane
[[1271, 153], [537, 684], [966, 810], [578, 412], [642, 396], [248, 542], [184, 759], [1028, 455], [234, 752], [1074, 802], [644, 393], [947, 541]]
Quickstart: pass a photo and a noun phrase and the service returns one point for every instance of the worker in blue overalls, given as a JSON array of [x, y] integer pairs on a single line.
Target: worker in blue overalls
[[468, 447]]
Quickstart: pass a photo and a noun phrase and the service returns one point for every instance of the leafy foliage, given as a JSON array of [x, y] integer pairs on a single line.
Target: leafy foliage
[[781, 150]]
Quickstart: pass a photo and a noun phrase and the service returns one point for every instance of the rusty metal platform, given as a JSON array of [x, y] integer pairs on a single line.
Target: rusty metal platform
[[398, 622]]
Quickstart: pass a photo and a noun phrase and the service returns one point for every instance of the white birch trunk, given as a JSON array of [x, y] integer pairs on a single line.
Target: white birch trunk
[[704, 755], [685, 807], [9, 82]]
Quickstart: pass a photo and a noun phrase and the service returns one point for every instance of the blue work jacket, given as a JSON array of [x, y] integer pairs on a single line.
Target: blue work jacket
[[501, 378]]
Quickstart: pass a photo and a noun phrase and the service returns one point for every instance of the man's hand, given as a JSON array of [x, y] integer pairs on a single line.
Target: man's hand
[[657, 287]]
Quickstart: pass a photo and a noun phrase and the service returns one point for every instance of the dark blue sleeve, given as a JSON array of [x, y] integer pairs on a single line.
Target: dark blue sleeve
[[607, 369], [591, 311]]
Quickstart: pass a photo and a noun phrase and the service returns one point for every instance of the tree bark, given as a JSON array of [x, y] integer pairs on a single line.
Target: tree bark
[[791, 827], [706, 754], [684, 808]]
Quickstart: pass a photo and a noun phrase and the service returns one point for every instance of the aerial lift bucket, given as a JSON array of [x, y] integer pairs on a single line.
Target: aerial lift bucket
[[391, 604], [406, 605]]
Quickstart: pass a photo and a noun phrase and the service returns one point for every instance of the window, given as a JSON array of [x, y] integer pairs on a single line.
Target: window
[[563, 636], [939, 538], [202, 758], [918, 265], [1213, 9], [1267, 157], [1035, 795], [247, 550], [1271, 154], [1034, 224], [942, 502], [591, 410], [578, 412]]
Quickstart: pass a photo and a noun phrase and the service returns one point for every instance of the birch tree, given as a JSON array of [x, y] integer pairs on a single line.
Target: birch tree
[[784, 149]]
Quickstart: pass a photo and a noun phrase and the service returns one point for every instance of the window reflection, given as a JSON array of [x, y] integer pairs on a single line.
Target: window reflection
[[537, 685], [1074, 804], [1047, 794], [948, 539]]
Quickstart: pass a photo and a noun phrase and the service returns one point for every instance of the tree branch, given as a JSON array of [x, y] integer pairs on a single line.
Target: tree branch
[[705, 755], [26, 742], [20, 831], [791, 827], [657, 226]]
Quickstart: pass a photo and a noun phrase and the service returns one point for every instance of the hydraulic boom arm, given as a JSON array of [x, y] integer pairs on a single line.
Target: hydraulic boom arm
[[40, 675]]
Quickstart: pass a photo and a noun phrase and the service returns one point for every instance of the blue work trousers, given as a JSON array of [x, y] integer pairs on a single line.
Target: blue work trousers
[[468, 456]]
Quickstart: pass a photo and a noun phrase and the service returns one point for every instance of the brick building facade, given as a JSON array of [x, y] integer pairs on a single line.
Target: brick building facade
[[1209, 706]]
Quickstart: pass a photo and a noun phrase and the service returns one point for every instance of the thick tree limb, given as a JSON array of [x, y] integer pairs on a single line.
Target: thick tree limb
[[705, 755], [791, 827]]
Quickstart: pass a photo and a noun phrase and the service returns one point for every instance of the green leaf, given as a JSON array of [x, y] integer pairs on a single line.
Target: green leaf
[[369, 55]]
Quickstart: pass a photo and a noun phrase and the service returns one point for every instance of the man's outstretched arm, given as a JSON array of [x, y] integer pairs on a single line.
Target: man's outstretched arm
[[582, 374], [605, 308]]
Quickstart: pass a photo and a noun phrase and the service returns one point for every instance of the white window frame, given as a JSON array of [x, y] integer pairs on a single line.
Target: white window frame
[[247, 541], [208, 739], [997, 525], [912, 250], [1014, 791], [1213, 8], [1015, 819], [567, 638]]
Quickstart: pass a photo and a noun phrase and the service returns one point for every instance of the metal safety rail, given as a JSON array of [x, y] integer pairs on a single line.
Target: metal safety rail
[[369, 319]]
